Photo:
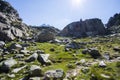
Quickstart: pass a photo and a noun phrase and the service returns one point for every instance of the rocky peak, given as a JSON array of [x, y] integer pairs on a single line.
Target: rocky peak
[[11, 26], [89, 27], [113, 25]]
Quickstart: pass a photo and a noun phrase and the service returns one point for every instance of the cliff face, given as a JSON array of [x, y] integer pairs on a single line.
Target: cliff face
[[11, 26], [113, 25], [89, 27]]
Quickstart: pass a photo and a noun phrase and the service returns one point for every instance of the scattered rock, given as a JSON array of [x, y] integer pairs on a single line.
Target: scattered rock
[[85, 70], [73, 45], [93, 52], [7, 64], [15, 46], [54, 74], [11, 75], [35, 71], [102, 64], [18, 69], [106, 55], [33, 57], [116, 48], [35, 78], [24, 52], [44, 59], [2, 44], [105, 76]]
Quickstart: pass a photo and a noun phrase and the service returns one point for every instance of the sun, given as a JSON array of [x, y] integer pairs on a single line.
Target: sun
[[77, 3]]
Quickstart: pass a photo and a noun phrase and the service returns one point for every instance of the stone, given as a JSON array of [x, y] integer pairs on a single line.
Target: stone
[[106, 55], [24, 51], [35, 78], [85, 70], [15, 46], [105, 76], [94, 53], [116, 48], [54, 74], [73, 45], [102, 64], [18, 69], [11, 75], [7, 64], [35, 71], [2, 44], [44, 59], [19, 56], [44, 36], [33, 57]]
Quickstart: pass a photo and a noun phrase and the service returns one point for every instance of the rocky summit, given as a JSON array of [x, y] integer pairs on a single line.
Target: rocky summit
[[89, 27], [11, 26]]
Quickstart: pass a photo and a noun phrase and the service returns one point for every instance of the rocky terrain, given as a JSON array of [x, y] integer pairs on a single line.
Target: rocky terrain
[[11, 26], [32, 53]]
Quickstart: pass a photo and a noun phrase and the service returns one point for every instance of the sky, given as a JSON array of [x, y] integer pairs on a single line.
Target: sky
[[59, 13]]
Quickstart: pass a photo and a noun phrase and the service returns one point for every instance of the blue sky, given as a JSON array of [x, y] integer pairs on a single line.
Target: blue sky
[[59, 13]]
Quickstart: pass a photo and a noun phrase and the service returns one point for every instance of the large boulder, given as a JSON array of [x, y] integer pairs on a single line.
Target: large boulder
[[7, 64], [11, 26], [89, 27], [44, 36]]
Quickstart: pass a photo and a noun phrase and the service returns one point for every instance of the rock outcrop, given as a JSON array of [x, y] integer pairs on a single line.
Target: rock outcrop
[[89, 27], [11, 26], [113, 25]]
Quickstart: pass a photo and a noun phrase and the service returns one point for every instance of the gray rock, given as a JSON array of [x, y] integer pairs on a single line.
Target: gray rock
[[2, 44], [19, 56], [44, 36], [11, 75], [106, 55], [24, 51], [102, 64], [93, 52], [7, 64], [73, 45], [35, 71], [105, 76], [15, 46], [18, 69], [44, 59], [116, 48], [33, 57], [54, 74], [85, 70], [35, 78]]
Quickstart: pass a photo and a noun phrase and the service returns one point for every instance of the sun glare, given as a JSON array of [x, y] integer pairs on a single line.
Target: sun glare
[[77, 3]]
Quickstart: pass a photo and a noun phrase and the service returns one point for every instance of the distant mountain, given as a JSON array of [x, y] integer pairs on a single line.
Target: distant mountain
[[45, 27], [113, 25], [89, 27]]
